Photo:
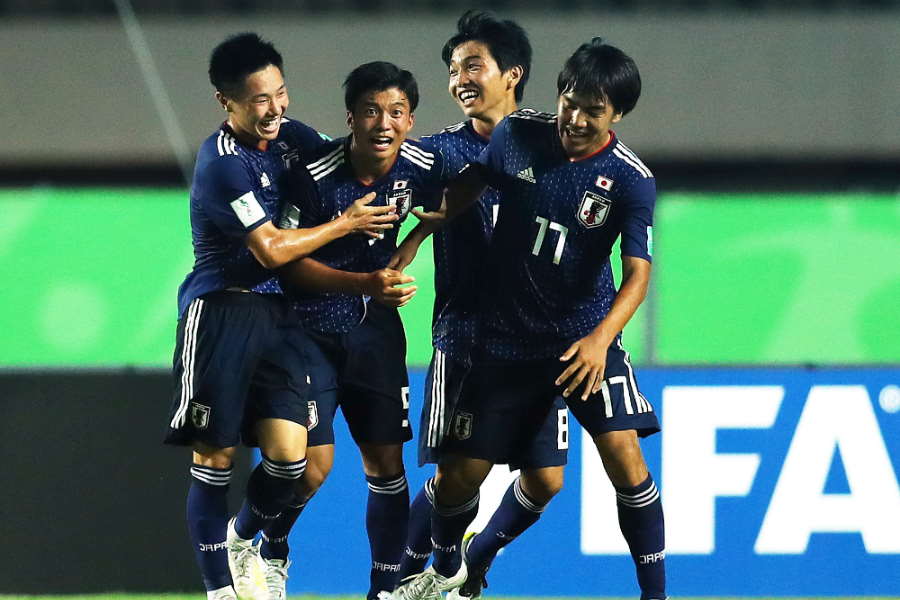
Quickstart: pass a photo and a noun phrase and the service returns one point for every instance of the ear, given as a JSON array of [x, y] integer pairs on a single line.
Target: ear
[[222, 99], [616, 117], [349, 119], [412, 120], [514, 76]]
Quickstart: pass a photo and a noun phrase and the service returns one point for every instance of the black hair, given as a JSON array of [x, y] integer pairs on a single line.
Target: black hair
[[599, 70], [376, 77], [506, 40], [236, 58]]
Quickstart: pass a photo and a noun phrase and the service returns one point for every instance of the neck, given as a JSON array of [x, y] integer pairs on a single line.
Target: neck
[[368, 168], [484, 124], [248, 140]]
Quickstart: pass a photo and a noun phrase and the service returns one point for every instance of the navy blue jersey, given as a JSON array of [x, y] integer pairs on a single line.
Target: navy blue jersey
[[460, 249], [236, 189], [415, 179], [550, 282]]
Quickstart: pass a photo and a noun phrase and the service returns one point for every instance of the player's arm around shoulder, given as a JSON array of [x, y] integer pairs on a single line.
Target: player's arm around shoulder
[[274, 247]]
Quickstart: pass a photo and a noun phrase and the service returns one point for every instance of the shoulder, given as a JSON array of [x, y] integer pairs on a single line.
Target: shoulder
[[629, 161], [528, 117], [299, 133], [326, 158], [219, 157], [422, 154], [220, 144]]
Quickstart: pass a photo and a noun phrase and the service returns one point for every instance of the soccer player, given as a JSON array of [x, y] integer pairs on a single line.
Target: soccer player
[[238, 364], [489, 61], [361, 363], [551, 317]]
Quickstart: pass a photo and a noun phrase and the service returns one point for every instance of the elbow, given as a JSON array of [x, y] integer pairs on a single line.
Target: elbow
[[270, 254]]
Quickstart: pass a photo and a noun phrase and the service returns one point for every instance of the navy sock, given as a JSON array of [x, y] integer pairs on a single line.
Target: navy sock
[[448, 525], [269, 490], [387, 514], [418, 538], [641, 522], [207, 517], [516, 513], [275, 534]]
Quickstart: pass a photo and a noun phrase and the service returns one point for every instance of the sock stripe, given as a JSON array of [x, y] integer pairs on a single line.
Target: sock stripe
[[210, 475], [641, 499], [429, 490], [452, 511], [393, 486], [284, 470], [523, 499]]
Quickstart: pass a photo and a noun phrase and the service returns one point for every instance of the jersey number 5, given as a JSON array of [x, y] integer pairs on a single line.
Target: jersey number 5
[[543, 226]]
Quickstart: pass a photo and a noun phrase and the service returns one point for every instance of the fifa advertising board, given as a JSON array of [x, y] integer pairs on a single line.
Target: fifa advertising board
[[775, 482]]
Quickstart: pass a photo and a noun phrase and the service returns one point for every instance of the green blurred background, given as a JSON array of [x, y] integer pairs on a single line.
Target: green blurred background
[[91, 276]]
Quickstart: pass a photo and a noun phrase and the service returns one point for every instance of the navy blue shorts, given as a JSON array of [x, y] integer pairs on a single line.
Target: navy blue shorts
[[503, 406], [443, 385], [239, 357], [363, 372]]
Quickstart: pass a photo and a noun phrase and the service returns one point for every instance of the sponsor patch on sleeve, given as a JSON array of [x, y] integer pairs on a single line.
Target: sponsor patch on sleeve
[[248, 209]]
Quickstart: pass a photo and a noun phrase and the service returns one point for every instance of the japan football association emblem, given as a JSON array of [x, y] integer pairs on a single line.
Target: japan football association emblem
[[400, 197], [313, 415], [199, 415], [593, 210], [462, 426]]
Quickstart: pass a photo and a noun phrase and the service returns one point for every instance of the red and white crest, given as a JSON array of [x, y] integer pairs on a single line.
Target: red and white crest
[[593, 210]]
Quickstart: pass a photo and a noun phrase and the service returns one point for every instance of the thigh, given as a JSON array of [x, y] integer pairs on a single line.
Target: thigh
[[280, 385], [373, 384], [219, 341], [443, 384], [550, 446], [375, 353], [324, 359], [501, 409], [619, 405]]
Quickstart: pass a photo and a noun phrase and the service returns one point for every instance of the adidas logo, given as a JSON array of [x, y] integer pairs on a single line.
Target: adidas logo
[[264, 180], [527, 175]]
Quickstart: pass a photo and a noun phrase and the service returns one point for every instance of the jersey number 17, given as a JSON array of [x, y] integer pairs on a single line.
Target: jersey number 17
[[543, 225]]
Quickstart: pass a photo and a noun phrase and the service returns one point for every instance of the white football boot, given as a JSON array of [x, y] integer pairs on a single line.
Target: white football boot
[[246, 566], [225, 593], [276, 577], [429, 585]]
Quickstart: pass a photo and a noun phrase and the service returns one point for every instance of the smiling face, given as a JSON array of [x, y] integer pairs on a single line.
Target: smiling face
[[379, 123], [478, 85], [255, 113], [584, 123]]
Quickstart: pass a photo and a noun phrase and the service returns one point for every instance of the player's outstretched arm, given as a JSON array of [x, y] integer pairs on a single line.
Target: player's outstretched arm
[[274, 247], [464, 191], [383, 285], [588, 355], [429, 222]]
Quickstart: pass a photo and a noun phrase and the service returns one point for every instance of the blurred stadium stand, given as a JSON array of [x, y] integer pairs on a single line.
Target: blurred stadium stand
[[259, 7]]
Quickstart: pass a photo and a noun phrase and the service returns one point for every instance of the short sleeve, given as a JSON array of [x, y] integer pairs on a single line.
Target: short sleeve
[[437, 179], [226, 196], [637, 226], [304, 137], [490, 162]]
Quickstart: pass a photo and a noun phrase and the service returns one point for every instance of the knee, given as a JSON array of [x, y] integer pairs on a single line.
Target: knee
[[622, 457], [315, 475], [457, 481], [209, 456], [382, 460], [542, 485]]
